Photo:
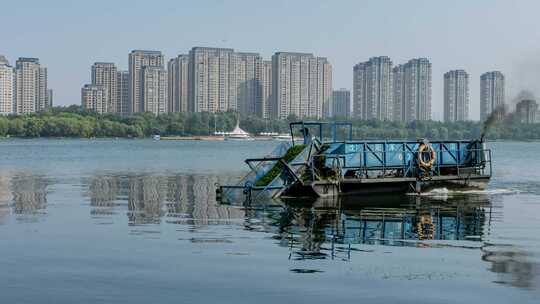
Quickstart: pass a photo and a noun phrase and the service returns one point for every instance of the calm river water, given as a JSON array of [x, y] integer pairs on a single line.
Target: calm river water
[[136, 221]]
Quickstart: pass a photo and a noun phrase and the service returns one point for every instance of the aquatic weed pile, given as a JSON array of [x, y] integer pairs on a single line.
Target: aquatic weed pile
[[278, 167]]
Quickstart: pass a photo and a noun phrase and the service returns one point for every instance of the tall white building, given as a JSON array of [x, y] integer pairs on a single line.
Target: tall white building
[[43, 90], [221, 79], [527, 111], [491, 93], [456, 96], [50, 98], [264, 109], [122, 93], [31, 92], [412, 90], [372, 89], [210, 89], [398, 96], [105, 74], [248, 67], [6, 87], [138, 59], [301, 85], [154, 90], [178, 84], [341, 103], [94, 97]]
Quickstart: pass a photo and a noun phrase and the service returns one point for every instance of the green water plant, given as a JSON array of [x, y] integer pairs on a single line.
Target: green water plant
[[276, 170]]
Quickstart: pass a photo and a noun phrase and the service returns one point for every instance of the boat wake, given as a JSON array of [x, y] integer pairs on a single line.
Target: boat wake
[[445, 192]]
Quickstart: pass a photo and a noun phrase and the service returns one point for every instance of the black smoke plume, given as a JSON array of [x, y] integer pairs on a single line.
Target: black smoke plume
[[496, 115], [501, 112]]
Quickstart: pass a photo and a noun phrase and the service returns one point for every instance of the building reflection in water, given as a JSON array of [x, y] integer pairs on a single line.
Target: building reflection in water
[[24, 194], [512, 265], [5, 198], [316, 229], [151, 198]]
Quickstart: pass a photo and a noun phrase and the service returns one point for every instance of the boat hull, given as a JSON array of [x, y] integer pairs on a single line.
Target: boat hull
[[239, 138], [385, 186]]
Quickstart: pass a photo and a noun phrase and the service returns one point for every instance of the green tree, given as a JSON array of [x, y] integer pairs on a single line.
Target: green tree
[[16, 127], [4, 126]]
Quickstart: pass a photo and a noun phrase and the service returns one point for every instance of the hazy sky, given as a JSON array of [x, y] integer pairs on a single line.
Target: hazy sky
[[478, 36]]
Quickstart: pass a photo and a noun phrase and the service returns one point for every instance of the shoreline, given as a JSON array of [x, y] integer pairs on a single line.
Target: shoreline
[[213, 138]]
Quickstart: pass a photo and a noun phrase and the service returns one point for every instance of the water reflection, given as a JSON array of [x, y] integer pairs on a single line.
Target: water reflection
[[313, 229], [5, 198], [512, 265], [321, 229], [150, 198], [337, 228], [24, 195]]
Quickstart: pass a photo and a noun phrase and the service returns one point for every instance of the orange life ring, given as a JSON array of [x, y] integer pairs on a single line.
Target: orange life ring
[[429, 163]]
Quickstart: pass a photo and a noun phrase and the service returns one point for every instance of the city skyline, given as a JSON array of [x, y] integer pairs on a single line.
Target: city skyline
[[432, 33], [171, 96], [248, 88], [167, 63]]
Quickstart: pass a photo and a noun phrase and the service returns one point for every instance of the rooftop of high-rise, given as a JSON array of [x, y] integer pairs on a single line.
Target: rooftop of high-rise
[[104, 63], [455, 72], [28, 59], [3, 60], [205, 48], [146, 52], [492, 74], [293, 54]]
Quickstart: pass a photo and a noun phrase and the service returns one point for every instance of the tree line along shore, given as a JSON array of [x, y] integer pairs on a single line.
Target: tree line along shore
[[74, 121]]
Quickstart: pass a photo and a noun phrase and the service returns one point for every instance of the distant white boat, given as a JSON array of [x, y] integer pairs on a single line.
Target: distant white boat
[[270, 134], [238, 134], [286, 137], [156, 137], [283, 136]]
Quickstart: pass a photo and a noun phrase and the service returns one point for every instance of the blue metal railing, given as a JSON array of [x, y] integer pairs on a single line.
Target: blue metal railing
[[376, 160]]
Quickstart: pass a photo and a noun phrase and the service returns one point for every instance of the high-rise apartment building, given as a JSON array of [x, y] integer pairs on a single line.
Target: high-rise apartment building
[[341, 103], [105, 74], [412, 90], [456, 96], [209, 87], [372, 89], [6, 87], [31, 92], [491, 93], [154, 90], [43, 99], [264, 110], [178, 83], [138, 59], [94, 97], [526, 111], [221, 79], [248, 93], [301, 84], [50, 98], [122, 93], [398, 96]]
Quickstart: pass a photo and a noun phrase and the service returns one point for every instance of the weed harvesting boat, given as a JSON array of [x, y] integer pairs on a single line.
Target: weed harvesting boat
[[323, 165]]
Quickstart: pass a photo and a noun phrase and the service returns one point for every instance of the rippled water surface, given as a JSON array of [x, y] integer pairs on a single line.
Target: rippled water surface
[[136, 221]]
